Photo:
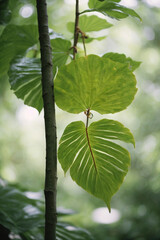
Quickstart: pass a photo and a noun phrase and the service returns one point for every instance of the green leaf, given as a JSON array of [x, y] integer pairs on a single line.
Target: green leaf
[[15, 40], [66, 231], [24, 217], [25, 74], [25, 80], [121, 58], [94, 83], [60, 52], [111, 9], [97, 3], [90, 39], [5, 16], [5, 13], [89, 24], [96, 164], [18, 213]]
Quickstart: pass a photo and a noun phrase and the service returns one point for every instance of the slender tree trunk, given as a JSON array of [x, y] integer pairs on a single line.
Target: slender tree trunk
[[50, 123]]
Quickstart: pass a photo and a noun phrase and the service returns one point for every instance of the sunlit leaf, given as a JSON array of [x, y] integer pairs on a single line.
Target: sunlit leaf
[[132, 65], [89, 24], [94, 83], [96, 164], [111, 9]]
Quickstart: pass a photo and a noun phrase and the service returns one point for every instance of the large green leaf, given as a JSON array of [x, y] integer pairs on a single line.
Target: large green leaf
[[94, 83], [111, 9], [25, 80], [15, 40], [25, 73], [89, 24], [132, 65], [96, 164]]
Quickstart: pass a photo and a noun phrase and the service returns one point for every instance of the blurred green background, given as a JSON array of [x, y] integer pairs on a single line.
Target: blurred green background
[[22, 143]]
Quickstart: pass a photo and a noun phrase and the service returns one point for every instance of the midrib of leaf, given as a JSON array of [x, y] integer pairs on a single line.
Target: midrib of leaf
[[94, 162]]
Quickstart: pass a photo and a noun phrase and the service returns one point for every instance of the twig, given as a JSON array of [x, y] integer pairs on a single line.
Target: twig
[[76, 30]]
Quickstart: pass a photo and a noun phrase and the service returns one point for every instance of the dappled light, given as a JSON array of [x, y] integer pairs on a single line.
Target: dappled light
[[26, 11], [101, 215]]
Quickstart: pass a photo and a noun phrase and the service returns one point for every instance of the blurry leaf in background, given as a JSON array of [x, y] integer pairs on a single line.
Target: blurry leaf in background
[[22, 217], [5, 13], [18, 213], [67, 231], [93, 81], [95, 163]]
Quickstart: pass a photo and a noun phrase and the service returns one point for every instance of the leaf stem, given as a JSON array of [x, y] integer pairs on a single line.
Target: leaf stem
[[94, 162], [87, 114], [76, 29], [84, 46]]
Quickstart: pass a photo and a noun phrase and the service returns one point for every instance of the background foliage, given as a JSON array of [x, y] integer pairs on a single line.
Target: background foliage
[[22, 137]]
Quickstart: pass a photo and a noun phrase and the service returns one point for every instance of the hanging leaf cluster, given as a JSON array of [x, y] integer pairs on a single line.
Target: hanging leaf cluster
[[96, 162], [104, 84]]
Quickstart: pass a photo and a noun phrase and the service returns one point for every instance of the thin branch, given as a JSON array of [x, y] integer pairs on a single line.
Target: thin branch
[[76, 29], [50, 123]]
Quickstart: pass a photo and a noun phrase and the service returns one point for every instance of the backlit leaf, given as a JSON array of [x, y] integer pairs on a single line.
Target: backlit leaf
[[111, 9], [95, 83], [96, 164], [132, 65], [89, 24]]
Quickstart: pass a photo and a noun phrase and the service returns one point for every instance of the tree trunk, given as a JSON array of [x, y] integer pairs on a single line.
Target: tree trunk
[[50, 123]]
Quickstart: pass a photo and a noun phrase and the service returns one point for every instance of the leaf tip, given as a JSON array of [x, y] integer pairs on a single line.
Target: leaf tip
[[108, 205]]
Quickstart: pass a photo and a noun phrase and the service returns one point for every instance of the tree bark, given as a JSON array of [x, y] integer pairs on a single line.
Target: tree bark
[[50, 123]]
